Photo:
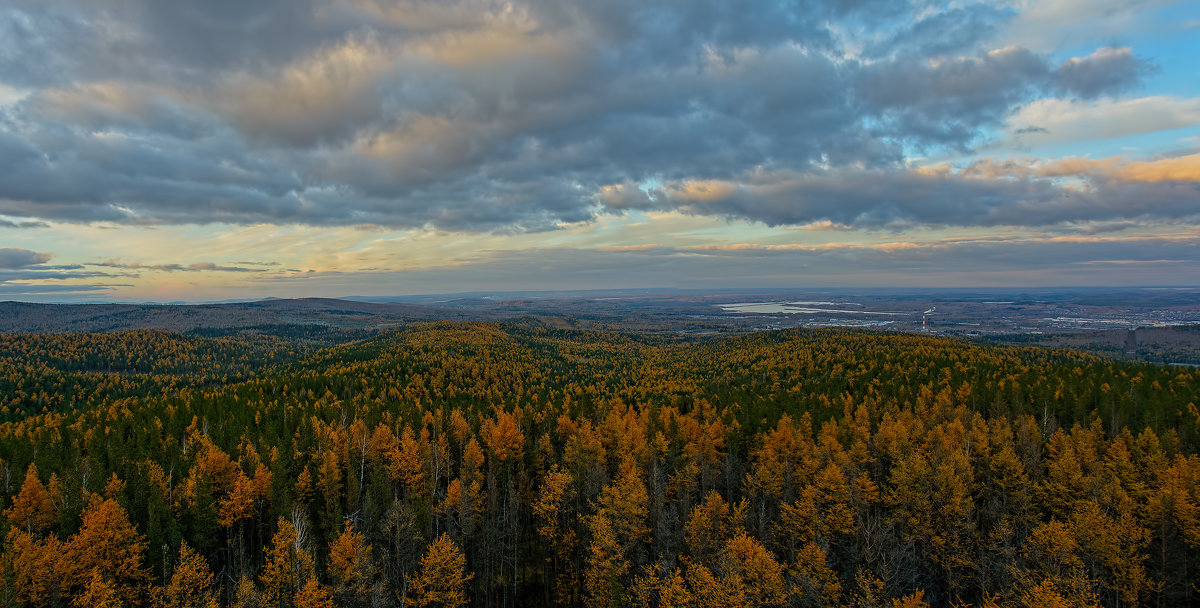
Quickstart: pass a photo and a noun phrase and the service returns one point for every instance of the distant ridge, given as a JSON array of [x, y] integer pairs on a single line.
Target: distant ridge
[[23, 317]]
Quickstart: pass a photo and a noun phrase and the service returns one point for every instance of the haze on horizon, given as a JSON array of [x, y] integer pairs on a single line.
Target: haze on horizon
[[230, 149]]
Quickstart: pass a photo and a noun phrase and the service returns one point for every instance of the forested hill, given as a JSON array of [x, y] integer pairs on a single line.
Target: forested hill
[[322, 318], [514, 465]]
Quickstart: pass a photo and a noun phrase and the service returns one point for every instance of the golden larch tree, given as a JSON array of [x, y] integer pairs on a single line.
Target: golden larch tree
[[98, 593], [443, 577], [313, 595], [191, 585], [618, 527], [37, 567], [287, 564], [108, 544], [351, 567], [33, 508]]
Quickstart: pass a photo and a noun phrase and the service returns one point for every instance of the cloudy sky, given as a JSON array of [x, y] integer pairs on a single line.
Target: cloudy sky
[[155, 150]]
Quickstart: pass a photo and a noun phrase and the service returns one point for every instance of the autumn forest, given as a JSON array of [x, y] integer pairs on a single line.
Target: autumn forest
[[512, 464]]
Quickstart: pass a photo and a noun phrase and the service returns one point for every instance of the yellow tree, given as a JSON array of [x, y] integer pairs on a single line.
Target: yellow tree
[[329, 483], [674, 593], [191, 585], [247, 595], [710, 525], [443, 577], [409, 464], [245, 493], [803, 530], [709, 591], [351, 568], [287, 564], [37, 567], [752, 572], [555, 529], [107, 544], [304, 487], [503, 436], [33, 508], [1056, 575], [665, 589], [1118, 543], [914, 600], [606, 565], [746, 574], [98, 593], [618, 527], [313, 595]]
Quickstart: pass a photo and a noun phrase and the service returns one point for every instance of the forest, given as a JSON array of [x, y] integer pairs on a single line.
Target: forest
[[512, 464]]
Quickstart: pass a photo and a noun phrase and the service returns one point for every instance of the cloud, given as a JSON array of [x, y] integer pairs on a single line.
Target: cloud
[[33, 290], [323, 98], [987, 193], [948, 100], [1108, 70], [46, 275], [1001, 260], [1058, 120], [1185, 169], [196, 267], [956, 30], [24, 272], [482, 115], [26, 224], [21, 258], [1047, 25]]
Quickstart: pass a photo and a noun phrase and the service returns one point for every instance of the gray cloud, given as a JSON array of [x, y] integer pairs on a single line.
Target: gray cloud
[[949, 99], [26, 224], [196, 267], [489, 115], [21, 258], [96, 41], [952, 31], [23, 271], [58, 290], [46, 275], [1008, 195], [946, 102], [1108, 70]]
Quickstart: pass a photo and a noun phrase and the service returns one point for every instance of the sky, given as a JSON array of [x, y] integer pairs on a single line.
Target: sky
[[235, 149]]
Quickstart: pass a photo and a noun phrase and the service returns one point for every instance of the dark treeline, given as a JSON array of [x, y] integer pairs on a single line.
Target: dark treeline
[[510, 465]]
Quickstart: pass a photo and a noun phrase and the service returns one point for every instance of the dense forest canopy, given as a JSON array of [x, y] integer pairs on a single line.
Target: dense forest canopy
[[449, 464]]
